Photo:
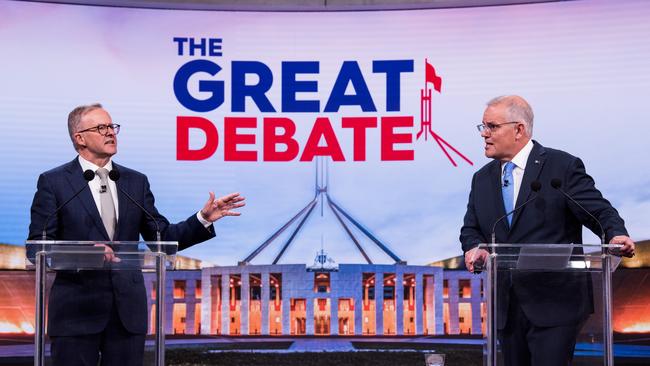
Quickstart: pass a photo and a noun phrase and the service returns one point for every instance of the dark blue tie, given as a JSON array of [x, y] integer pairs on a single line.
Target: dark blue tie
[[508, 189]]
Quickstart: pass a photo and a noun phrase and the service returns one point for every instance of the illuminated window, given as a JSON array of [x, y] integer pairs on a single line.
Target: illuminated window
[[321, 282], [464, 289], [179, 289]]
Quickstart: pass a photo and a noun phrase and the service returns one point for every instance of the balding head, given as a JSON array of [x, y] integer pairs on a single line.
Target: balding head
[[517, 109]]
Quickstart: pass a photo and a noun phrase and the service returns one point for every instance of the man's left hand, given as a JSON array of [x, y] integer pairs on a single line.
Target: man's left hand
[[628, 245], [215, 209]]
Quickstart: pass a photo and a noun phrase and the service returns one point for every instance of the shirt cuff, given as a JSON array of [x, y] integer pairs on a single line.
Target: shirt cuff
[[203, 221]]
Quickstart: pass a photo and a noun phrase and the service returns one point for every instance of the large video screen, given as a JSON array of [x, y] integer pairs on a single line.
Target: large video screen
[[249, 102]]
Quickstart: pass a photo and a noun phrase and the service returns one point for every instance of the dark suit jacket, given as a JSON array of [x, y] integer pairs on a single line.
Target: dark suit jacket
[[550, 299], [80, 302]]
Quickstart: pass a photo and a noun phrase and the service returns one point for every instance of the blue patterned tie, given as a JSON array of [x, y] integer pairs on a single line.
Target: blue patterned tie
[[508, 189]]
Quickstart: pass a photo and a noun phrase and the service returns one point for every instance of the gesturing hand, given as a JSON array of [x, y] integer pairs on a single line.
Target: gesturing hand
[[214, 209]]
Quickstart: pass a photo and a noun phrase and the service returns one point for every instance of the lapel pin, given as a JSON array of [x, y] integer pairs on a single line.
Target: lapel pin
[[536, 161]]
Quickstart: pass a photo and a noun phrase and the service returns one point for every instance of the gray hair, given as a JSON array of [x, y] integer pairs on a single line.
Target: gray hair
[[74, 118], [517, 109]]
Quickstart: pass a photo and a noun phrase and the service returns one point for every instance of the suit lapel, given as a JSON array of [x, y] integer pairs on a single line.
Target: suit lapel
[[77, 181], [495, 184], [533, 168]]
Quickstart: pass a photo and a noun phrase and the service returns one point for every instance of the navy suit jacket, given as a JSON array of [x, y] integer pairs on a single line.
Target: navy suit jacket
[[80, 302], [549, 299]]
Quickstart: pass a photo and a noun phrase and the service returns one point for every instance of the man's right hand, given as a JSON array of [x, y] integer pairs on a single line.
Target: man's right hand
[[109, 255], [475, 259]]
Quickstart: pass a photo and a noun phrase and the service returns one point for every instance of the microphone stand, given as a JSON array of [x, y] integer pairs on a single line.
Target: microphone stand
[[606, 264]]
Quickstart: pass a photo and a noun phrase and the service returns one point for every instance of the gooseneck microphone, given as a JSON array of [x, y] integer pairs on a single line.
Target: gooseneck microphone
[[557, 184], [535, 186], [88, 176], [114, 175]]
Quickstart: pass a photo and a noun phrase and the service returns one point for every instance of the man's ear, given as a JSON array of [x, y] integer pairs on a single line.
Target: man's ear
[[79, 140], [520, 131]]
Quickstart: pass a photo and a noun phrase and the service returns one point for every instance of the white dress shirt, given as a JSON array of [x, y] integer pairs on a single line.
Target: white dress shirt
[[520, 166], [95, 185]]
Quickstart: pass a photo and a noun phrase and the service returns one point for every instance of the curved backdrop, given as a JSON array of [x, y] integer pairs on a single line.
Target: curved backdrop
[[244, 101]]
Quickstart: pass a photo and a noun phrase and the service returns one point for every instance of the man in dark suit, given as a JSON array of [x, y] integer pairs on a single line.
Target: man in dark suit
[[539, 315], [97, 315]]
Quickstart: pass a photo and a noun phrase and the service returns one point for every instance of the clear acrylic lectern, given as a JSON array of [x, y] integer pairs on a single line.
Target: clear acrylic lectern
[[583, 269], [53, 256]]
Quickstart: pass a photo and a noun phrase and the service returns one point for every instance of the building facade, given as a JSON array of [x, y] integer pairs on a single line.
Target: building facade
[[356, 299], [291, 299]]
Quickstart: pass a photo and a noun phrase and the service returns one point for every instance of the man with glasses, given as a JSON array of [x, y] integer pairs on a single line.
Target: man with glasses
[[95, 315], [539, 316]]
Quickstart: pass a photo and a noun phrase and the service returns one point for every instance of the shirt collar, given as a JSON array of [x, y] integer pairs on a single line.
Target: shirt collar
[[85, 165], [522, 156]]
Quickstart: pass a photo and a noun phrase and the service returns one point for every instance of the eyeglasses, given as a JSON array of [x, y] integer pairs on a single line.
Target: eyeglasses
[[491, 126], [103, 129]]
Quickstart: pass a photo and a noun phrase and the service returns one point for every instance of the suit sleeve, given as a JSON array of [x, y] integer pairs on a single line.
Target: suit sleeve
[[43, 205], [582, 188], [471, 234], [186, 233]]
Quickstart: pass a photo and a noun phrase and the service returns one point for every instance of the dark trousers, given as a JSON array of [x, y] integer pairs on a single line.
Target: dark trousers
[[115, 346], [524, 344]]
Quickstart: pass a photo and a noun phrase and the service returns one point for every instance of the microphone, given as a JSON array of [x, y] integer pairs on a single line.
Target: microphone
[[535, 186], [557, 184], [114, 175], [88, 176]]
